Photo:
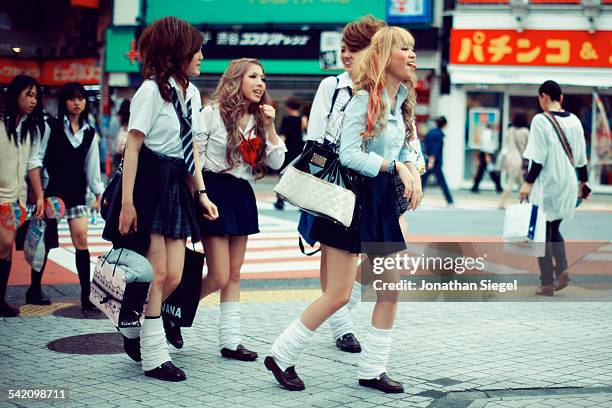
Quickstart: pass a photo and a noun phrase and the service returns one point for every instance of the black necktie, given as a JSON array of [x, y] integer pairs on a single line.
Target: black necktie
[[186, 134]]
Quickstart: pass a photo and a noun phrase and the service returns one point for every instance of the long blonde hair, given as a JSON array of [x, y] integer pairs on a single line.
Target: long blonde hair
[[231, 101], [371, 76]]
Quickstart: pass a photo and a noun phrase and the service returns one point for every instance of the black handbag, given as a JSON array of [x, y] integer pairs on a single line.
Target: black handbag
[[181, 306]]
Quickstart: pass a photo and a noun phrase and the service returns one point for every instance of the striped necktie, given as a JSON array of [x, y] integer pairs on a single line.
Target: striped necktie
[[186, 135]]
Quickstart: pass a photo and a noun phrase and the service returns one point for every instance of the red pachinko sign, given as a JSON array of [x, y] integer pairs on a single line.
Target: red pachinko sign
[[532, 48]]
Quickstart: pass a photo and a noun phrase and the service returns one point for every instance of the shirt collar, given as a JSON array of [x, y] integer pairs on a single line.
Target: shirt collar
[[175, 85], [250, 125], [67, 123], [344, 81]]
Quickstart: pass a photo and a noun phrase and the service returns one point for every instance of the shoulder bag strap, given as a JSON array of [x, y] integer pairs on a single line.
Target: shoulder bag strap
[[561, 136], [333, 101]]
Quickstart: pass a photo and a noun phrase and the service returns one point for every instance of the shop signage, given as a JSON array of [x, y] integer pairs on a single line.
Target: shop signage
[[84, 70], [532, 48], [9, 69], [409, 11], [55, 72], [231, 12], [273, 44]]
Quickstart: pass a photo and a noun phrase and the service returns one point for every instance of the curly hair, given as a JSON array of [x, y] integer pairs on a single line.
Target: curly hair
[[232, 105], [10, 110], [166, 47], [372, 78]]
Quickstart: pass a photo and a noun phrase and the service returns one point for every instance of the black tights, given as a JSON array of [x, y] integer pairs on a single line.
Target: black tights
[[555, 248]]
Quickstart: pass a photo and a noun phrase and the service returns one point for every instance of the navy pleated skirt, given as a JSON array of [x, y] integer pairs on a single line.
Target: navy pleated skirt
[[378, 223], [235, 200]]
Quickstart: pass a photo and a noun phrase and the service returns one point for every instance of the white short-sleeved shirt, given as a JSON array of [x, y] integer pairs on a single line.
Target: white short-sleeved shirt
[[211, 140], [157, 119], [556, 188], [321, 106]]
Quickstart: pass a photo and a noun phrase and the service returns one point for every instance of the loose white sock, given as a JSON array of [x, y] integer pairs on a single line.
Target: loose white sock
[[341, 322], [229, 325], [130, 332], [374, 353], [153, 347], [290, 344], [355, 297]]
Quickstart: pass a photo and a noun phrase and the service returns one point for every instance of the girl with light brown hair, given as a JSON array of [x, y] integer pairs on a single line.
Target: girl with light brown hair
[[238, 141], [380, 116]]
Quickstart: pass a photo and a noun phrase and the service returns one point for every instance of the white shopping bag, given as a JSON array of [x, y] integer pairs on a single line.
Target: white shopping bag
[[525, 230]]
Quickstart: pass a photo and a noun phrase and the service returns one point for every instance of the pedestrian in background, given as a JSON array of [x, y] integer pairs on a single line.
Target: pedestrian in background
[[291, 133], [434, 147], [71, 158], [238, 141], [381, 114], [555, 157], [120, 132], [160, 173], [511, 156], [333, 93], [486, 159], [21, 126]]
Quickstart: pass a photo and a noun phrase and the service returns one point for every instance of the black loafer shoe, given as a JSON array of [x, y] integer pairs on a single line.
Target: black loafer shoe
[[7, 310], [88, 307], [241, 353], [167, 372], [173, 334], [132, 348], [349, 343], [288, 378], [384, 384], [37, 298]]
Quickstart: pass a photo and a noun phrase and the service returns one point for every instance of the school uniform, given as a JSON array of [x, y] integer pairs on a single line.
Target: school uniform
[[229, 187], [376, 198], [331, 96]]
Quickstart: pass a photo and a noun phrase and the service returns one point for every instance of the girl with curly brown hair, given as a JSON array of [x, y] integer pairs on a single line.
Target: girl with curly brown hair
[[160, 175], [238, 142]]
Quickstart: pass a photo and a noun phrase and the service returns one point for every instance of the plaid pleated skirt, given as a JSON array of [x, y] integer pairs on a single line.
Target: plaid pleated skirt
[[174, 219]]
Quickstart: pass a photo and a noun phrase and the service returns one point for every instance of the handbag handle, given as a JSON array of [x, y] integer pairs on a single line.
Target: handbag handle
[[335, 124], [119, 257]]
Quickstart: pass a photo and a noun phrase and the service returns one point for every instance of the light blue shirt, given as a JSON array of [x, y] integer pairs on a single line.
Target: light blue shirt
[[390, 144]]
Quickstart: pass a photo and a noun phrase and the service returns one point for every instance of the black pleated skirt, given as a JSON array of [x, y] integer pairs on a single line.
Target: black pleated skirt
[[235, 200], [378, 230]]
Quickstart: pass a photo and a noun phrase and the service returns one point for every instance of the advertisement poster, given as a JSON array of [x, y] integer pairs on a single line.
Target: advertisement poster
[[483, 129]]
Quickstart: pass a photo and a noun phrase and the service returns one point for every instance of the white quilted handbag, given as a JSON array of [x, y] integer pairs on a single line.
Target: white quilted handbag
[[317, 183]]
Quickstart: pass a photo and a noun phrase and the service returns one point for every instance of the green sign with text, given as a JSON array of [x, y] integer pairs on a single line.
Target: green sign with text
[[234, 12]]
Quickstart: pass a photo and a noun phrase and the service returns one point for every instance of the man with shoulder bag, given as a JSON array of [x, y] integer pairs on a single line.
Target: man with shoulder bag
[[557, 179]]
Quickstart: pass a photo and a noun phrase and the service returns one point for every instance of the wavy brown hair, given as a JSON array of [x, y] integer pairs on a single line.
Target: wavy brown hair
[[167, 46], [357, 34], [371, 76], [232, 104]]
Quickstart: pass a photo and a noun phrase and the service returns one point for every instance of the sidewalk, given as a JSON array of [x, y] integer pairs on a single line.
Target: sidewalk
[[447, 354]]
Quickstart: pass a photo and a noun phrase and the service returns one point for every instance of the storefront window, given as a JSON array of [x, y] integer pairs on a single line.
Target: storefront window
[[601, 146], [484, 114]]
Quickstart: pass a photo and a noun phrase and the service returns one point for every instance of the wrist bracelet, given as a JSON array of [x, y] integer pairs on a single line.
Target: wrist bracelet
[[200, 192], [391, 167]]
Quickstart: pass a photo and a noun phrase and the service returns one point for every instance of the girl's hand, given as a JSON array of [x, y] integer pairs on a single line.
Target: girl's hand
[[210, 210], [525, 191], [413, 191], [96, 204], [269, 114], [40, 208], [128, 222]]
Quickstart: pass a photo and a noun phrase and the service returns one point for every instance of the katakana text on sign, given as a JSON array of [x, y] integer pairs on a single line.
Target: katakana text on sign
[[532, 47]]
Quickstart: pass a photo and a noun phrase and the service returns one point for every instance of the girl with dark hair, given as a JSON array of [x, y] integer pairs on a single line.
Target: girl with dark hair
[[237, 143], [21, 125], [71, 158], [161, 175], [120, 132]]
